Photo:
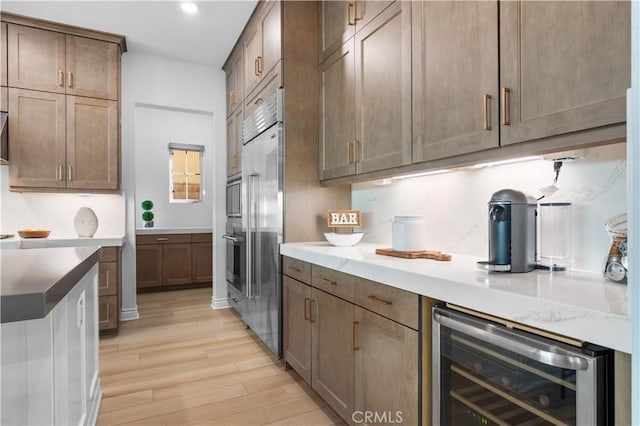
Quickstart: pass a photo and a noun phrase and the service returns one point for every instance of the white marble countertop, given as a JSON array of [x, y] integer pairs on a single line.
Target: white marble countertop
[[171, 230], [54, 240], [576, 304]]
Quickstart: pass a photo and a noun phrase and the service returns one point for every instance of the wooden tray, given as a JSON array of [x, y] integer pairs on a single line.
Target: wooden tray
[[426, 254], [34, 233]]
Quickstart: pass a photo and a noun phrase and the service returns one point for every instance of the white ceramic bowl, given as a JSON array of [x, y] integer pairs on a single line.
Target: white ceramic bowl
[[343, 240]]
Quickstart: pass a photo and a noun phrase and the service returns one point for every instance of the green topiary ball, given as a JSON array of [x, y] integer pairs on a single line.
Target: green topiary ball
[[147, 205], [147, 216]]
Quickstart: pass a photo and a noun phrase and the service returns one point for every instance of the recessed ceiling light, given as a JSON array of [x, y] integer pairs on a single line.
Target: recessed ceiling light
[[189, 7]]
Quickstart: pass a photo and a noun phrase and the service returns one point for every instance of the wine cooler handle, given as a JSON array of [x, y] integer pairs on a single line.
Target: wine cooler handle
[[533, 349]]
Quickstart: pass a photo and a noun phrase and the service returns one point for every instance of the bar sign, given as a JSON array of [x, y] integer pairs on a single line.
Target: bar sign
[[344, 219]]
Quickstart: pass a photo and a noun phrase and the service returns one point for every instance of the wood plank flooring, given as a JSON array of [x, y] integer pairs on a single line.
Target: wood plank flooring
[[184, 363]]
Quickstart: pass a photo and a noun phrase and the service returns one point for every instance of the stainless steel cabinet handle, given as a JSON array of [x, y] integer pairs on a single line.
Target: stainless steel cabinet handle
[[232, 238], [533, 349]]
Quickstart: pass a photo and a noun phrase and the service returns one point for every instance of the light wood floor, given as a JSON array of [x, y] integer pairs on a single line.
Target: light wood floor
[[185, 363]]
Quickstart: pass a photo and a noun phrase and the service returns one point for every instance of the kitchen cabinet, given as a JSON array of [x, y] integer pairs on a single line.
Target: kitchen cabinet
[[234, 71], [565, 67], [69, 76], [372, 130], [266, 88], [168, 260], [3, 55], [201, 258], [109, 288], [234, 143], [60, 141], [50, 61], [356, 342], [262, 44], [455, 102], [339, 21]]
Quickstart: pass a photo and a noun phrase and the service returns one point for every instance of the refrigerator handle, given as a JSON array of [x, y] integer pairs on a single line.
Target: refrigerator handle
[[249, 238], [252, 229], [257, 250]]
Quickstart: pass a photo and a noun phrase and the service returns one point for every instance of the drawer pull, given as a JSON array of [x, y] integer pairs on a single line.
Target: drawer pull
[[355, 336], [329, 281], [379, 299], [293, 268], [162, 239], [306, 309]]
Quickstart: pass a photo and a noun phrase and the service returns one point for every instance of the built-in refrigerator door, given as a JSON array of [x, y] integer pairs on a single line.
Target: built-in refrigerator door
[[263, 221]]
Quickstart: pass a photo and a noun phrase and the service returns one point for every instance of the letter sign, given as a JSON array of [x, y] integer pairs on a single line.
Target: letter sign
[[343, 219]]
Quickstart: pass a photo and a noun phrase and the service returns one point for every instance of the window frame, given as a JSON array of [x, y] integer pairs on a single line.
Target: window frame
[[192, 148]]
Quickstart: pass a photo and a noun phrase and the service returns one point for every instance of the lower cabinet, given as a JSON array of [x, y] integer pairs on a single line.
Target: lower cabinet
[[362, 360], [164, 260], [109, 284]]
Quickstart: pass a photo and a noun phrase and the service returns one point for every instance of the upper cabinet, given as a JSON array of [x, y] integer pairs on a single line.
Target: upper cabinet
[[64, 86], [365, 98], [52, 62], [234, 70], [455, 78], [439, 84], [262, 44], [3, 55], [564, 67]]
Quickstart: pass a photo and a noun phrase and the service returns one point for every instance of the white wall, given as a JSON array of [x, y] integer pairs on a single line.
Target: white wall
[[155, 128], [454, 205], [168, 83], [57, 211]]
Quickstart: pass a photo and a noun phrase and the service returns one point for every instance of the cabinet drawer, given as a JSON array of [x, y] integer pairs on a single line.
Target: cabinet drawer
[[398, 305], [107, 312], [297, 269], [201, 238], [108, 254], [266, 88], [333, 282], [163, 239], [107, 278]]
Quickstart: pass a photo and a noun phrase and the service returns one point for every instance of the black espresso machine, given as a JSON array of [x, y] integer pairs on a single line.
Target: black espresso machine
[[512, 232]]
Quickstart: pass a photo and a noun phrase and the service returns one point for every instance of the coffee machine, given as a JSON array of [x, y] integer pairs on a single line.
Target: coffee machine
[[512, 232]]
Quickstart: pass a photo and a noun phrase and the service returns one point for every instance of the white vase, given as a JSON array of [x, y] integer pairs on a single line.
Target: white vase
[[85, 222]]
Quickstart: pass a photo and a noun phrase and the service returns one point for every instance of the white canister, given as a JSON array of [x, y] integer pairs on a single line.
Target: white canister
[[408, 233]]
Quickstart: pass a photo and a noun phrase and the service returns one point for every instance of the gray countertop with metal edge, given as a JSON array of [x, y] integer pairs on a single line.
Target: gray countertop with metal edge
[[32, 282]]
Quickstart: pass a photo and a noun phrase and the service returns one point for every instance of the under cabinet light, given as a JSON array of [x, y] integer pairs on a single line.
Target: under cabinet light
[[432, 172], [502, 162]]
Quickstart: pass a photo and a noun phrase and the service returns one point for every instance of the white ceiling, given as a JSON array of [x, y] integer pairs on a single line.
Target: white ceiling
[[153, 27]]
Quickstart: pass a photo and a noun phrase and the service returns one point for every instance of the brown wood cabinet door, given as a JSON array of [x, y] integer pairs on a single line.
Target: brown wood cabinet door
[[252, 51], [108, 278], [36, 59], [337, 113], [366, 10], [332, 354], [296, 298], [92, 143], [386, 367], [176, 264], [92, 68], [383, 90], [148, 265], [271, 36], [566, 64], [234, 143], [234, 76], [455, 69], [4, 99], [201, 262], [336, 26], [108, 312], [37, 147], [3, 55]]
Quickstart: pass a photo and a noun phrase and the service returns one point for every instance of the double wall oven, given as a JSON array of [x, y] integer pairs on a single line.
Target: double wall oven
[[488, 374]]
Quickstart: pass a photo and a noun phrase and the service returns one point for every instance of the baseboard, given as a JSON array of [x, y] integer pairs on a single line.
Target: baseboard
[[220, 303], [129, 314], [95, 407]]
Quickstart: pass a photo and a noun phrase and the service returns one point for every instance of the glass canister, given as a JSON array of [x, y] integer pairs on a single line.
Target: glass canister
[[556, 224], [408, 233]]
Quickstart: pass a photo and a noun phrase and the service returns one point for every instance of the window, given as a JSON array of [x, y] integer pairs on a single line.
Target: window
[[185, 173]]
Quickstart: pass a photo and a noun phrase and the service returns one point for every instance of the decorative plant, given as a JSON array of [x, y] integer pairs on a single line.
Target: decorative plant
[[147, 214]]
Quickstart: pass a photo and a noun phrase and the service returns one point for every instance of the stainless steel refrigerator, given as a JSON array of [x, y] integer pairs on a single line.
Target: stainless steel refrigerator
[[262, 219]]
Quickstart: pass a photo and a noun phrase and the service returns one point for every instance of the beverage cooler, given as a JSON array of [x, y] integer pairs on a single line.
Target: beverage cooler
[[487, 374]]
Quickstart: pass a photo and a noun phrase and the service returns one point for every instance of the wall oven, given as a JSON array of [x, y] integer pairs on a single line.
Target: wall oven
[[488, 374], [235, 267], [234, 198]]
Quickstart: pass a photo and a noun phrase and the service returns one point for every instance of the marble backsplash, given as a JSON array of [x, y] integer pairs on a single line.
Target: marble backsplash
[[454, 204]]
